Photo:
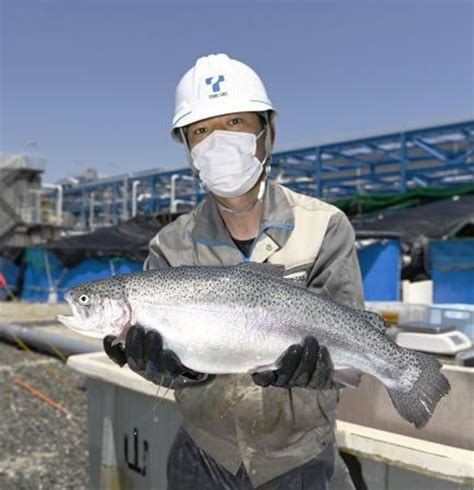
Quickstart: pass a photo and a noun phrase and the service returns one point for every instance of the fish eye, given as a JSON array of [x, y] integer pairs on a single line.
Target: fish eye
[[84, 299]]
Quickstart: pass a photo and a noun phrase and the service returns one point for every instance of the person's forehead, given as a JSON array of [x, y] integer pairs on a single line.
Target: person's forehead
[[210, 120]]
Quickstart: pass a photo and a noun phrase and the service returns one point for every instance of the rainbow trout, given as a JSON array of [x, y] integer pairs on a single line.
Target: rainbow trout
[[240, 319]]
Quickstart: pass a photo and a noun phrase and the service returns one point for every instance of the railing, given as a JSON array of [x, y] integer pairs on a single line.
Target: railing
[[434, 156]]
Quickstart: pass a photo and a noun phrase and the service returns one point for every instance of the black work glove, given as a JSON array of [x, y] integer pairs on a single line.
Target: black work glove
[[303, 366], [145, 355]]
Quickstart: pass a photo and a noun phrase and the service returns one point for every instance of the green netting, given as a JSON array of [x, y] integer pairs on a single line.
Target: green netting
[[366, 203]]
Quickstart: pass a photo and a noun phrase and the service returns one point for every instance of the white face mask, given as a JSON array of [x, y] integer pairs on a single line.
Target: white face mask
[[226, 162]]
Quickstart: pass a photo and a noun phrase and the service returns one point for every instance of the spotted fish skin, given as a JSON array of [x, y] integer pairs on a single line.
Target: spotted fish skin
[[240, 319]]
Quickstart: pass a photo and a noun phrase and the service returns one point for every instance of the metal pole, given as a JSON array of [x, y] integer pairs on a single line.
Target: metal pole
[[173, 203], [114, 203], [404, 162], [152, 195], [319, 174], [59, 204], [135, 185], [125, 199], [91, 210], [83, 209], [197, 189]]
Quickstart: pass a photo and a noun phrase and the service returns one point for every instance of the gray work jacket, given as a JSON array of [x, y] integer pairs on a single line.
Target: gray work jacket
[[231, 418]]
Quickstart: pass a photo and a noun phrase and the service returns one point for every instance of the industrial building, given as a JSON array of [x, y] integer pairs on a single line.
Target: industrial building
[[28, 213], [33, 211], [435, 156]]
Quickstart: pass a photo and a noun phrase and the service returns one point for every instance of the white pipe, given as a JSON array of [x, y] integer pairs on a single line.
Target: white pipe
[[59, 199], [135, 185], [59, 204], [43, 340], [173, 201], [124, 199]]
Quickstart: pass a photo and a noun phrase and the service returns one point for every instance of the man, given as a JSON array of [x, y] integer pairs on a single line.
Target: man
[[273, 429]]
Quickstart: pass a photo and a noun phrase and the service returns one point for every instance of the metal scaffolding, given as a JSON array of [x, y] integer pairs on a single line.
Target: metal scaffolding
[[395, 162]]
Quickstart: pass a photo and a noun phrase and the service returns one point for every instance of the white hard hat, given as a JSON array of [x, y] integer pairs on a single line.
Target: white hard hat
[[217, 85]]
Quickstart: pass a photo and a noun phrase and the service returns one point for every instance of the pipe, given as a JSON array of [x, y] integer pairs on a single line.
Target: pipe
[[45, 341], [173, 201], [135, 185], [59, 200], [125, 199]]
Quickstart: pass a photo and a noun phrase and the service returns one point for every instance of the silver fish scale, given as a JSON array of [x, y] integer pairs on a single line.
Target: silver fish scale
[[345, 331], [347, 335], [223, 285]]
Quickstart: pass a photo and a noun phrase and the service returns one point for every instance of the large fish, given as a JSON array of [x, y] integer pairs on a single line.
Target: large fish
[[241, 319]]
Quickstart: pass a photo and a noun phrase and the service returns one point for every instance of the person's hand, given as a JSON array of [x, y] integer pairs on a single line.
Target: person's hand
[[145, 355], [304, 366]]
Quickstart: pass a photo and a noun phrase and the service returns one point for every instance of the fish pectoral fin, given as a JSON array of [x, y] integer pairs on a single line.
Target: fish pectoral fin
[[347, 376], [122, 336]]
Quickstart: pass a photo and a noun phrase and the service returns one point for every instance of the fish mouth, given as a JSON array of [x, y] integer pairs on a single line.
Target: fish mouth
[[76, 321], [73, 323], [69, 321]]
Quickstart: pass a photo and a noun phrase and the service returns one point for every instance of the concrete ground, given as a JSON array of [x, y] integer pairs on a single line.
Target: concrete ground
[[40, 446]]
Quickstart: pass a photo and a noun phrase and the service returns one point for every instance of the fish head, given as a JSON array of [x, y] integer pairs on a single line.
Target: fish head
[[98, 309]]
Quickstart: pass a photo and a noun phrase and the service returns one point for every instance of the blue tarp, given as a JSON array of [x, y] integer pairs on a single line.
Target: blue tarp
[[452, 270], [380, 267], [43, 271], [92, 269], [45, 275], [10, 272]]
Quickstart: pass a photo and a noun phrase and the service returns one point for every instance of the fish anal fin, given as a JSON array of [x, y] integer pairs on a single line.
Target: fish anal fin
[[264, 368], [120, 339], [347, 376]]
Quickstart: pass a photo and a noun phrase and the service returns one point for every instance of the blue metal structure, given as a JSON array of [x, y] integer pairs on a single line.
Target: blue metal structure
[[395, 162]]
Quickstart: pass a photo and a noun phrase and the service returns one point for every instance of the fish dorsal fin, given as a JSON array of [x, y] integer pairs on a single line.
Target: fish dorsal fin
[[272, 270], [263, 269], [375, 320]]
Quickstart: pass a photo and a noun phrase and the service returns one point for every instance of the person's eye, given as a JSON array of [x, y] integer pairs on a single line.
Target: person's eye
[[235, 121], [199, 131]]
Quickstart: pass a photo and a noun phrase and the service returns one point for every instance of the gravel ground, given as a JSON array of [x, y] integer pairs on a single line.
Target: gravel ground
[[40, 447]]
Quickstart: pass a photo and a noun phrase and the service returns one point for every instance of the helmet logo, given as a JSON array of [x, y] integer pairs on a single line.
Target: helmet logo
[[215, 83]]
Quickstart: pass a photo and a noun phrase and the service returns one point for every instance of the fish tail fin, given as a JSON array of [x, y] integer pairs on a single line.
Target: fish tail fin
[[417, 405]]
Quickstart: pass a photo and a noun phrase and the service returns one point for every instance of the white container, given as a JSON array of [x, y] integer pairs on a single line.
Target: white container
[[419, 292], [129, 435], [460, 316], [129, 440]]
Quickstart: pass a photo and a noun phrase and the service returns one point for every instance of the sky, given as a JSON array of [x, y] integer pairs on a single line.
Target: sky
[[88, 83]]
